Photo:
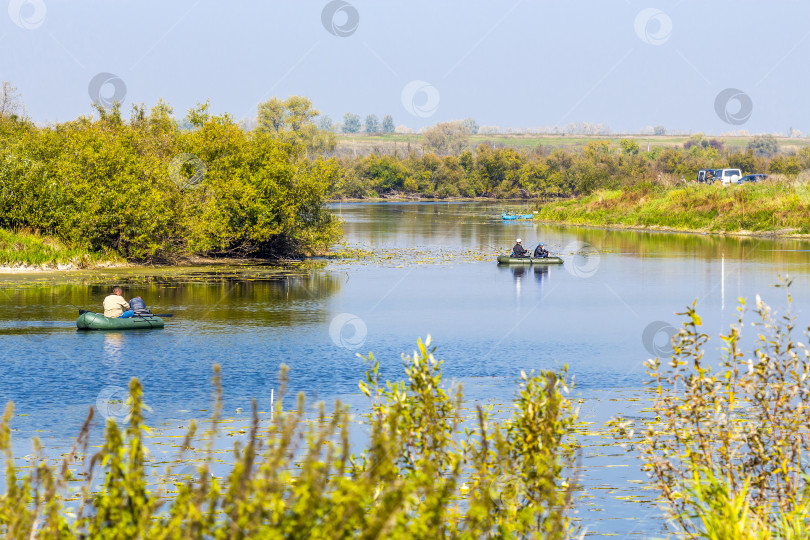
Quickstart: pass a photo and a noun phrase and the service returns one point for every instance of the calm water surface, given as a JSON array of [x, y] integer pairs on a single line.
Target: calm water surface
[[432, 272]]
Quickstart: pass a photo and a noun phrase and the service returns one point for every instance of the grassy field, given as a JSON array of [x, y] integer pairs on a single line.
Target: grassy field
[[27, 249], [778, 208], [362, 143]]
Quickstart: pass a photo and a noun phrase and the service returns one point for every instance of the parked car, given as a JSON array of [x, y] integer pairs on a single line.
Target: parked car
[[728, 176], [758, 177]]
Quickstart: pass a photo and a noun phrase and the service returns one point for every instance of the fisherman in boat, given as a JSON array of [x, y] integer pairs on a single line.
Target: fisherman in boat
[[540, 252], [139, 308], [519, 251], [115, 307]]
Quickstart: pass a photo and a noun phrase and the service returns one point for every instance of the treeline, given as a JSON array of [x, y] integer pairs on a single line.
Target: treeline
[[149, 190], [449, 168]]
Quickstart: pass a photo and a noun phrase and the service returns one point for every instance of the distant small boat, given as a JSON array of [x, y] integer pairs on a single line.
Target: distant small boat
[[516, 216]]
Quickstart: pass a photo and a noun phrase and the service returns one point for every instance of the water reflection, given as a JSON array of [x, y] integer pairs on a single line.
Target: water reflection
[[478, 225], [284, 300], [522, 272], [541, 272], [518, 271], [113, 347]]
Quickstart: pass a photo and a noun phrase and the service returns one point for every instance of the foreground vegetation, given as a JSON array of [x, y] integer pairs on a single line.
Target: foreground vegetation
[[774, 206], [426, 472], [725, 444]]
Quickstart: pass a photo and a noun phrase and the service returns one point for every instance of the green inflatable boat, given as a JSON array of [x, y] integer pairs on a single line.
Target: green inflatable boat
[[97, 321], [506, 259]]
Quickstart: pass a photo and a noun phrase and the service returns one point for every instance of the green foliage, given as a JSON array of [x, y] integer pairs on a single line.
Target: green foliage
[[372, 124], [351, 123], [292, 120], [490, 170], [447, 138], [30, 249], [728, 444], [765, 206], [109, 185], [763, 145], [427, 472], [387, 124]]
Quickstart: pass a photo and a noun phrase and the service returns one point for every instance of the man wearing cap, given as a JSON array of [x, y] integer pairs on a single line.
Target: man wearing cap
[[519, 251], [540, 252]]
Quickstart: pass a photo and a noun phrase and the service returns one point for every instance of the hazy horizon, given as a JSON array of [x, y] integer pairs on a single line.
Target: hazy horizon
[[713, 68]]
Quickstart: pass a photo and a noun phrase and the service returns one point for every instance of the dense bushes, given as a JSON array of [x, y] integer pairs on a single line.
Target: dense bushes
[[509, 173], [147, 189]]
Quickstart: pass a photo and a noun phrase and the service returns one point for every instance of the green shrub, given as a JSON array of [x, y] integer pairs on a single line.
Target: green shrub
[[727, 445], [427, 471], [106, 184]]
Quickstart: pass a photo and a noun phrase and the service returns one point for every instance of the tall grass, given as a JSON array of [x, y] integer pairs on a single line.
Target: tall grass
[[23, 248], [427, 471], [765, 207]]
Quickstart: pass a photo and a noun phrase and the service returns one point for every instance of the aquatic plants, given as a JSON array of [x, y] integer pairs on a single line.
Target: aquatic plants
[[426, 471], [727, 445]]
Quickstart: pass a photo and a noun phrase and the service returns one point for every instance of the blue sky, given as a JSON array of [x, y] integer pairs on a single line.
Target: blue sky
[[519, 64]]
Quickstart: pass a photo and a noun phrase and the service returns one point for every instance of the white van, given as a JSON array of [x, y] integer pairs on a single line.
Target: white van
[[728, 176]]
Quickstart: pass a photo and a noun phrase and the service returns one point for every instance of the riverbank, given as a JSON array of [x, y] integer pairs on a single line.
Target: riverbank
[[768, 209], [26, 252]]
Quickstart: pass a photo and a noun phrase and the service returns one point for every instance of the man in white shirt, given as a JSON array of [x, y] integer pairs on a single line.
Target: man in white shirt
[[115, 307]]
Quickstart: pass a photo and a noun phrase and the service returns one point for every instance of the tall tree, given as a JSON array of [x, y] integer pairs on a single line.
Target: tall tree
[[447, 138], [292, 120], [471, 125], [388, 124], [372, 124], [351, 123], [10, 101], [325, 123]]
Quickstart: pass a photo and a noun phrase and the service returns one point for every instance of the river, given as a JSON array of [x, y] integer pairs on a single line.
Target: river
[[427, 268]]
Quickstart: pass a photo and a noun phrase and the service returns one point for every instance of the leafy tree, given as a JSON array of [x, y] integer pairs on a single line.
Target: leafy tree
[[763, 145], [351, 123], [447, 138], [292, 120], [11, 105], [629, 147], [372, 124], [471, 125], [660, 130], [388, 124], [325, 123], [199, 115]]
